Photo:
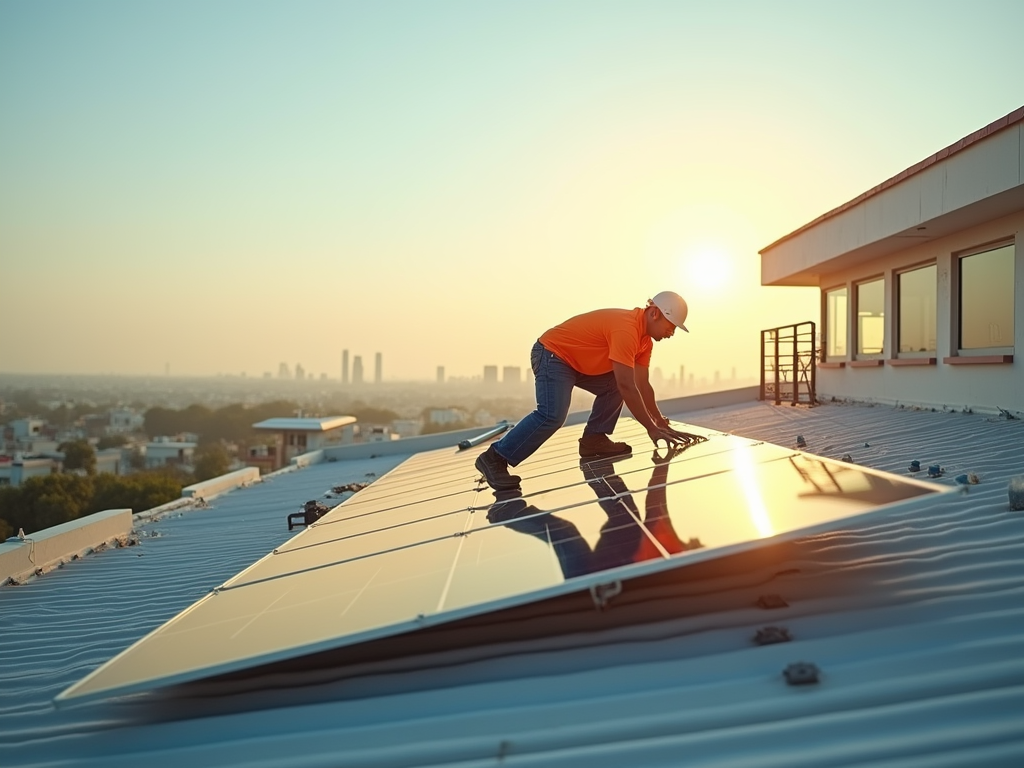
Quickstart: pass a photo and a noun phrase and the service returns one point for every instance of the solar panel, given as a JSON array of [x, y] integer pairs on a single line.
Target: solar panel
[[429, 543]]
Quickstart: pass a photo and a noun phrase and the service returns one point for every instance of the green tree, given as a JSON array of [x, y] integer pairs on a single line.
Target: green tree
[[138, 492], [5, 530], [367, 414], [430, 429], [78, 454], [211, 460], [161, 421], [137, 459], [52, 499]]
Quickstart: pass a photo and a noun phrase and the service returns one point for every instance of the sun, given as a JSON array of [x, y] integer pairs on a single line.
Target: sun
[[707, 267]]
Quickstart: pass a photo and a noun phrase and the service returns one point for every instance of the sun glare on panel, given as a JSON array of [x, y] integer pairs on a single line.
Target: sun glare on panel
[[746, 473]]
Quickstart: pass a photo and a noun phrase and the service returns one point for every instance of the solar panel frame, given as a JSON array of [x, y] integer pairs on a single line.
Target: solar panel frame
[[370, 531]]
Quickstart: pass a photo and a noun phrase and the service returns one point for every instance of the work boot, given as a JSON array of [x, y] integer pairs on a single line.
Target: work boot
[[599, 446], [495, 470]]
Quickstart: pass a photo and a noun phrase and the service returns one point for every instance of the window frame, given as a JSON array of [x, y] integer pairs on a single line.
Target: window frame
[[823, 354], [853, 305], [956, 300], [897, 313]]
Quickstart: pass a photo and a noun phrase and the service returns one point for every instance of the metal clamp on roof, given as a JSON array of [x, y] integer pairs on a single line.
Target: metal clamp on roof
[[602, 594], [312, 511]]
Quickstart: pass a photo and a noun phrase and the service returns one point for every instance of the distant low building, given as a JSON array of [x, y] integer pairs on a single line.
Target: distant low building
[[296, 436], [379, 434], [167, 451], [14, 470], [122, 421], [27, 429], [111, 461], [407, 427], [447, 416]]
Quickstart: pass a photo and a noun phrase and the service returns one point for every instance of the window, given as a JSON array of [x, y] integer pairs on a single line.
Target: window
[[917, 290], [870, 317], [986, 299], [835, 323]]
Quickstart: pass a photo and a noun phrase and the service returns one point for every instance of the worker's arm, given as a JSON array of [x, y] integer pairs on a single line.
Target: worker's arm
[[626, 380], [643, 384]]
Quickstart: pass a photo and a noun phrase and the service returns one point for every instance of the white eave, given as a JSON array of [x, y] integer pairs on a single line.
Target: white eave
[[322, 424], [978, 179]]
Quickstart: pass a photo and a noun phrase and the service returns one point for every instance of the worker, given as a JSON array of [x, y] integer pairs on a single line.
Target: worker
[[606, 352]]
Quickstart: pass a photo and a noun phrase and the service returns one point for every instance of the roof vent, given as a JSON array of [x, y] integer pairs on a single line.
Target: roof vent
[[772, 635], [801, 673], [768, 602]]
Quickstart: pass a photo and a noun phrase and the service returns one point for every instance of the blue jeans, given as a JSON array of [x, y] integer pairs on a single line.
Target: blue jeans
[[555, 380]]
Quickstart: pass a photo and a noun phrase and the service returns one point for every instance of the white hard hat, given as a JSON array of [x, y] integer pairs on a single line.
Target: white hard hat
[[672, 306]]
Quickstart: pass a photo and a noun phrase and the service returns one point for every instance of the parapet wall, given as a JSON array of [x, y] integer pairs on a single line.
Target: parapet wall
[[46, 549], [218, 485]]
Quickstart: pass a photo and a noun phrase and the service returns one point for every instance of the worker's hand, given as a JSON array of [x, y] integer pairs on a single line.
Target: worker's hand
[[669, 435], [686, 437]]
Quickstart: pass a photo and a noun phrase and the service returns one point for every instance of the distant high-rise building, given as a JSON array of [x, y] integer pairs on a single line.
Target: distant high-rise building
[[300, 372], [357, 369], [511, 374], [490, 374], [682, 375], [344, 366], [283, 371], [378, 368], [440, 374], [733, 373]]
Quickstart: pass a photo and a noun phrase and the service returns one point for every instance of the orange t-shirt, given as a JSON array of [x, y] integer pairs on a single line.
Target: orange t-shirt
[[592, 341]]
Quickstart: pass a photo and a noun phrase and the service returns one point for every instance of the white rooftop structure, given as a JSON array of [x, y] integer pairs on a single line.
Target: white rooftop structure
[[305, 424], [922, 279]]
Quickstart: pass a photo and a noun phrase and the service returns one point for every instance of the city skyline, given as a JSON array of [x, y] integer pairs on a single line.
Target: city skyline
[[197, 189]]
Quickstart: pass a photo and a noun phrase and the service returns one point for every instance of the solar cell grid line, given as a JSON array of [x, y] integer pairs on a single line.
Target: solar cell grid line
[[386, 502], [564, 452], [308, 553], [229, 631], [539, 552], [638, 462], [419, 521], [640, 475], [399, 487]]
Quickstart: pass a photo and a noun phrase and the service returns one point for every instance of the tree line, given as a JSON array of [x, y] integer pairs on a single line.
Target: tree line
[[42, 502]]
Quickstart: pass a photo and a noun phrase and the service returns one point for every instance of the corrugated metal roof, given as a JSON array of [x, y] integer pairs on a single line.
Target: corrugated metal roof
[[916, 622]]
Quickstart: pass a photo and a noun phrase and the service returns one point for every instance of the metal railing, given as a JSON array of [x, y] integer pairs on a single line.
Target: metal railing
[[788, 355]]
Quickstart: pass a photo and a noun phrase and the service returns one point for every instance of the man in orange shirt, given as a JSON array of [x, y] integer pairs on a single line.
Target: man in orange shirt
[[607, 352]]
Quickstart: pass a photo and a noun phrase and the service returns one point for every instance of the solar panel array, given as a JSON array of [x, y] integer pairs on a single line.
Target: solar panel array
[[430, 543]]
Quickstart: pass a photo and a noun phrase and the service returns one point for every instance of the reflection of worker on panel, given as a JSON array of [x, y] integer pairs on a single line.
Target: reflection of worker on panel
[[622, 539]]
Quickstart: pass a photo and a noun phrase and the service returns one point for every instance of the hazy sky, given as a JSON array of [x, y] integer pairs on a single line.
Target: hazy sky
[[224, 186]]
